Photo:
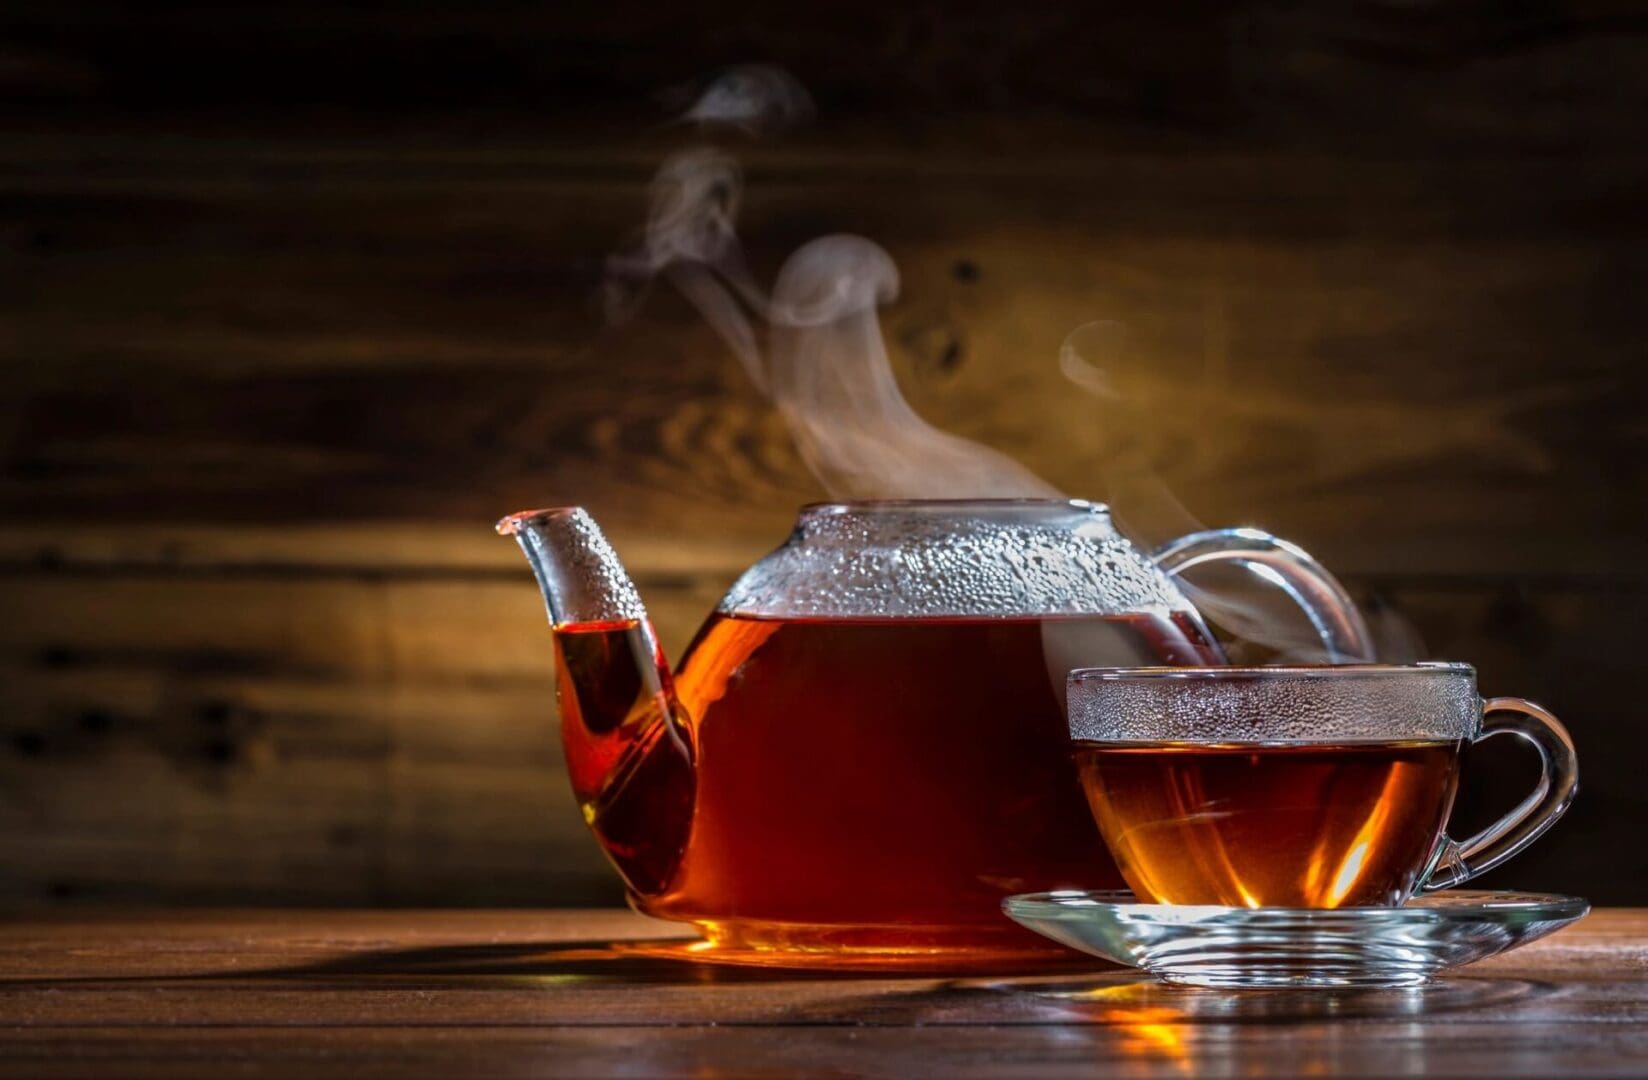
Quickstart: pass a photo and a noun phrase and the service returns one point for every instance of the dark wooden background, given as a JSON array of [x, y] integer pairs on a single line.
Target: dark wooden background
[[298, 298]]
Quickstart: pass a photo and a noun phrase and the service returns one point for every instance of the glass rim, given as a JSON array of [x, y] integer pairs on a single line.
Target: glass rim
[[1284, 704], [873, 506], [1276, 671]]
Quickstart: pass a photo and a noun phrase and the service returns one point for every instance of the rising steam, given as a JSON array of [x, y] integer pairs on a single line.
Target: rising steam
[[814, 344], [1249, 603], [758, 99]]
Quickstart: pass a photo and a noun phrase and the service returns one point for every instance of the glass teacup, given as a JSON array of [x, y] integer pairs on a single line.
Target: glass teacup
[[1318, 787]]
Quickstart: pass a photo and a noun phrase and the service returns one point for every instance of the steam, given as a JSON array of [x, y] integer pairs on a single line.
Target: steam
[[832, 379], [1249, 604], [814, 344], [689, 238], [758, 99]]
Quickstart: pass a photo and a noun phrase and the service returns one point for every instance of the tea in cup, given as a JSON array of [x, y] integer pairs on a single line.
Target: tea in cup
[[1314, 787]]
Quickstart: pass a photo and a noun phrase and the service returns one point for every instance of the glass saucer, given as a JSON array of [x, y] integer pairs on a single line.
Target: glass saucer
[[1239, 948]]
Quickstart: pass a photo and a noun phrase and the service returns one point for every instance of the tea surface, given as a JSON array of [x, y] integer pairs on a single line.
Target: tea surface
[[1289, 825]]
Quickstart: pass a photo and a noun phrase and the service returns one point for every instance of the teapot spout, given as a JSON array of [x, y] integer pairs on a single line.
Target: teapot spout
[[628, 742]]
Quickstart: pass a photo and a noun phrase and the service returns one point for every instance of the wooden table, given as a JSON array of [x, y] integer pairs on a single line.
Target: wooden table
[[506, 993]]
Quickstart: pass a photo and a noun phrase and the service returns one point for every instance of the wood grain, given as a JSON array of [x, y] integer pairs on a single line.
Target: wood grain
[[1270, 371], [364, 993], [276, 349]]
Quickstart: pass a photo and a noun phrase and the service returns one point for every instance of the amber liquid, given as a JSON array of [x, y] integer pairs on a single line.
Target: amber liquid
[[889, 776], [1247, 826]]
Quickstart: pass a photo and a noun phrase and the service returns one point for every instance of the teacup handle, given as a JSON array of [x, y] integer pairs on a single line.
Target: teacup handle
[[1290, 568], [1558, 781]]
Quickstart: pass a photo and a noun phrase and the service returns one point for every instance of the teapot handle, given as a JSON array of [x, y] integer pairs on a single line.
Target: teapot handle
[[1287, 566]]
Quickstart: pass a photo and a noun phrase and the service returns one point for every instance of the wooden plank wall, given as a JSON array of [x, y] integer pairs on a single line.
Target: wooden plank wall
[[296, 301]]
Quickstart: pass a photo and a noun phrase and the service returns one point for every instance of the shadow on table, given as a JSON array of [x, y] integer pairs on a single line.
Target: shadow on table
[[658, 962], [669, 961]]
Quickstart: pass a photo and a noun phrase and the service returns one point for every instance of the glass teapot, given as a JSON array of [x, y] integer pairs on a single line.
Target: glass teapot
[[864, 749]]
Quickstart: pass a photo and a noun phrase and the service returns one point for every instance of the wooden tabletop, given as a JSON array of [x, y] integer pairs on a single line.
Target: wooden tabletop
[[186, 993]]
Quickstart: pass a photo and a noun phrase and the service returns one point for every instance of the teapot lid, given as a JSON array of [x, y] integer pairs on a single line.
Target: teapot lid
[[953, 558]]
